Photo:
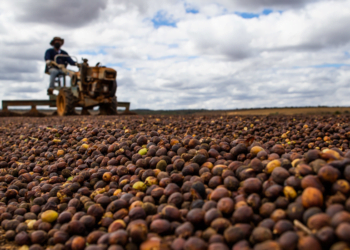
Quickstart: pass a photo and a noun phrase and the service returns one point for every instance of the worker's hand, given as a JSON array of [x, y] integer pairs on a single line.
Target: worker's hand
[[53, 63], [78, 64]]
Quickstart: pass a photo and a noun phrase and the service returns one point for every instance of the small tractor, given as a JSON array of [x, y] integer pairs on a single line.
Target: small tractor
[[90, 87]]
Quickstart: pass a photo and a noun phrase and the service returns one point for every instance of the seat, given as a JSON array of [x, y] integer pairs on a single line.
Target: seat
[[58, 79]]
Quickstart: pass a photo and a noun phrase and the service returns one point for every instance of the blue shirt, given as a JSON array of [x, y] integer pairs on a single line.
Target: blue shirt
[[51, 53]]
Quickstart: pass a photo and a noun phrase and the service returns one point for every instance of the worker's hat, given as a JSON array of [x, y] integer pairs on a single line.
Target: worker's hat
[[56, 38]]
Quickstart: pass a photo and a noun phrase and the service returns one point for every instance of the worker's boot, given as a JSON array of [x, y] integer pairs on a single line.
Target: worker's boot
[[50, 91]]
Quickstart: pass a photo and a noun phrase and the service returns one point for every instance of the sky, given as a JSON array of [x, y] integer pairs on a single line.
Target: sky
[[193, 54]]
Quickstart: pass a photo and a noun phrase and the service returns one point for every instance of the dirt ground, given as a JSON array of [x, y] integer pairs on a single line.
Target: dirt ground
[[284, 111], [258, 111]]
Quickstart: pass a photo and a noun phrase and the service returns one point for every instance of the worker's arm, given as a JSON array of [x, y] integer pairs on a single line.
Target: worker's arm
[[48, 57], [51, 63], [68, 59]]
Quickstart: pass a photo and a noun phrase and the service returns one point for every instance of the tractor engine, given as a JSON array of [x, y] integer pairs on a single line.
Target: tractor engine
[[97, 81], [97, 88]]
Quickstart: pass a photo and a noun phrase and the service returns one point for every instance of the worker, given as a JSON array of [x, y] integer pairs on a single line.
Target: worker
[[52, 67]]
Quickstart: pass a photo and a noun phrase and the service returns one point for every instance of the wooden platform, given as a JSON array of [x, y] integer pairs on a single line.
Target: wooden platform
[[51, 103]]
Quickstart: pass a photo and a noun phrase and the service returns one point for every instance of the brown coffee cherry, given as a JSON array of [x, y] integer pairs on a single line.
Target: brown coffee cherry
[[308, 242], [233, 234], [260, 234], [119, 237], [185, 230], [78, 243], [288, 240], [318, 221], [312, 197], [243, 214], [160, 226], [343, 231], [217, 245], [195, 243], [38, 237], [282, 226], [328, 174], [269, 244], [220, 224], [252, 185], [226, 206], [326, 236], [152, 243], [22, 238], [137, 230]]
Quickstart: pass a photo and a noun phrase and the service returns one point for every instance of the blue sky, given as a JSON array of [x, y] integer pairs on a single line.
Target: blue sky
[[101, 50], [92, 52], [162, 18], [249, 15], [331, 65], [190, 8]]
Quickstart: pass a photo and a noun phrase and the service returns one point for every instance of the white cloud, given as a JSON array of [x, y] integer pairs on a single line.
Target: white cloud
[[212, 59]]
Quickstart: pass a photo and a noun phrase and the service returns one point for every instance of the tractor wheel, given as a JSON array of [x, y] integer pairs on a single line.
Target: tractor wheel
[[109, 108], [65, 102], [74, 80], [113, 89]]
